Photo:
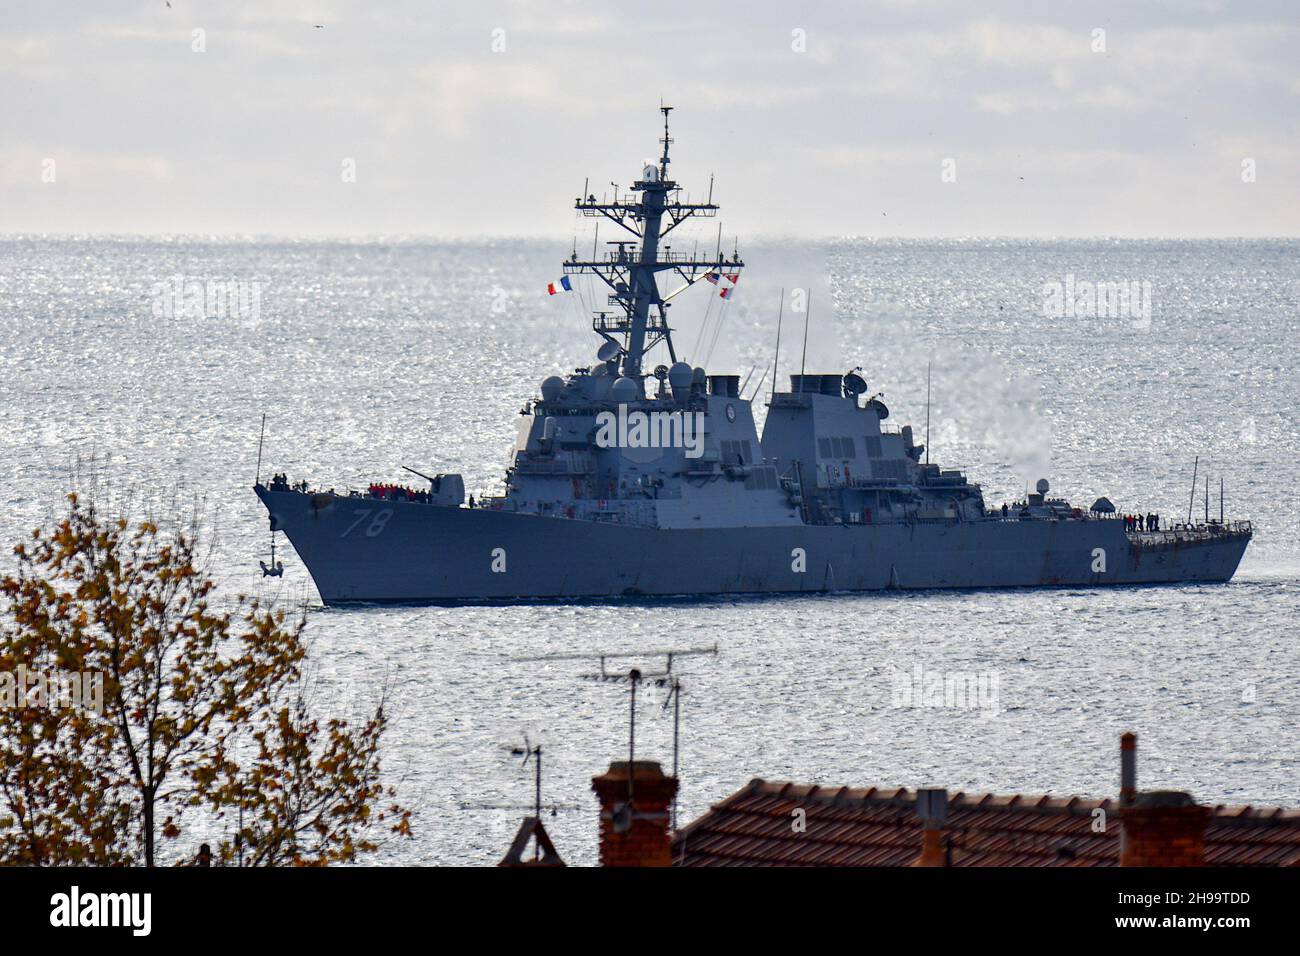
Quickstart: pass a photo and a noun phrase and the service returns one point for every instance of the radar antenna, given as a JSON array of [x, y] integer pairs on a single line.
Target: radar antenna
[[649, 212], [667, 140]]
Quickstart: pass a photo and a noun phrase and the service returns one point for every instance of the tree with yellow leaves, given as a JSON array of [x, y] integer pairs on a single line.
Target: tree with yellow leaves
[[198, 711]]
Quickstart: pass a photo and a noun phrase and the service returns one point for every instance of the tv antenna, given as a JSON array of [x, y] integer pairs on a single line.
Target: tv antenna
[[533, 752], [634, 678], [532, 829], [530, 752], [669, 655], [675, 698]]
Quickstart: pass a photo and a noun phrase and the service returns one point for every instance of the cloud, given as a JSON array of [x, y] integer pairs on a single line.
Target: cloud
[[845, 137], [23, 165], [451, 93], [24, 47], [1009, 67]]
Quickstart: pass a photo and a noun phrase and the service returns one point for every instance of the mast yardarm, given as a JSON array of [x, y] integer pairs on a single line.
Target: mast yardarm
[[649, 212]]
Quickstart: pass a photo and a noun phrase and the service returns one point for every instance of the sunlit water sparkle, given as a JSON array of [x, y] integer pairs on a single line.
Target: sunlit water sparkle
[[367, 356]]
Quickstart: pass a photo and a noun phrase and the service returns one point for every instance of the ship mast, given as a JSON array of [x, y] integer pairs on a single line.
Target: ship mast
[[631, 268]]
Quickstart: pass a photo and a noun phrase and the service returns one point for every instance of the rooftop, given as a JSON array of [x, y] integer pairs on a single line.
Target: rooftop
[[845, 826]]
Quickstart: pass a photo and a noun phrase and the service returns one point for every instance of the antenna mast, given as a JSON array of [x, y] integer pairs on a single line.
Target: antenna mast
[[630, 270], [803, 359], [776, 359], [531, 752], [927, 412], [260, 439], [635, 677], [675, 697]]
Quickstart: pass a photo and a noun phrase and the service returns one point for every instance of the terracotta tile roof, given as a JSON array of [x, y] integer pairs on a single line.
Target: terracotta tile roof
[[880, 827]]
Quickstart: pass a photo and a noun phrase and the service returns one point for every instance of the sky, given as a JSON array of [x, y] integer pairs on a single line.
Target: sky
[[911, 118]]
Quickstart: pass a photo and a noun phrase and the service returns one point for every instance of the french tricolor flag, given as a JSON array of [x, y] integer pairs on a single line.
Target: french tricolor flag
[[560, 286]]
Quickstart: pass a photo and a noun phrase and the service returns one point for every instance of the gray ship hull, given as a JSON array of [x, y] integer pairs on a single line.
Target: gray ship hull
[[361, 549]]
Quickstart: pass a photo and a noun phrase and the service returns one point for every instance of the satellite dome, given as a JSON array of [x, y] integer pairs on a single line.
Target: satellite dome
[[679, 380], [625, 389], [608, 351], [551, 387], [1042, 487]]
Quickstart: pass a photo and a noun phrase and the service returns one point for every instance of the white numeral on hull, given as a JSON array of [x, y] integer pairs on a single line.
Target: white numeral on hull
[[378, 521]]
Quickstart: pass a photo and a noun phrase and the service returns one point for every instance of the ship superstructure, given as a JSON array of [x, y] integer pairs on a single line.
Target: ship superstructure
[[626, 481]]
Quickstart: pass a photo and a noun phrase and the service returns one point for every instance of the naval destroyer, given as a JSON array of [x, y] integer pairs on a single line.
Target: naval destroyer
[[629, 479]]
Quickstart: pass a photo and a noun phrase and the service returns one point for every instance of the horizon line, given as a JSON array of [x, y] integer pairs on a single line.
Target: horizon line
[[377, 237]]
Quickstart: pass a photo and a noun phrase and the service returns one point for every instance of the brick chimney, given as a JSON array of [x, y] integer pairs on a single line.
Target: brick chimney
[[1163, 828], [932, 807], [634, 813], [1128, 768]]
